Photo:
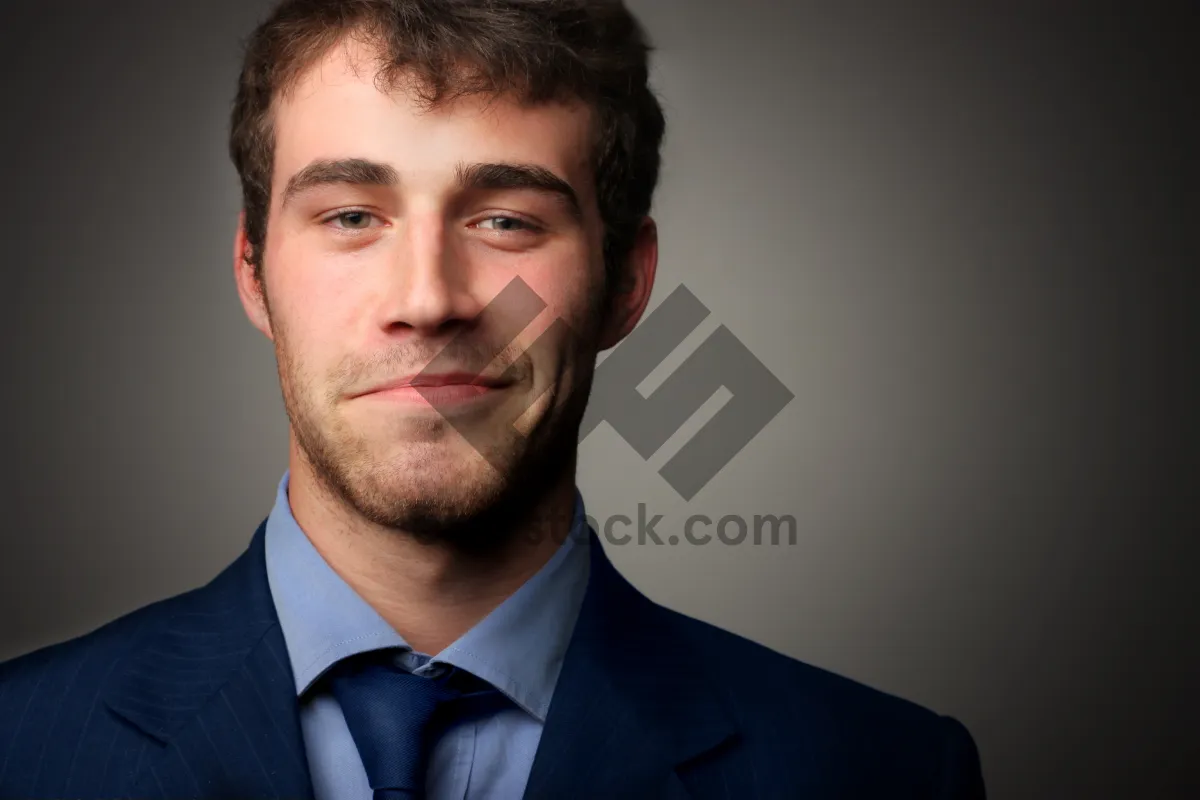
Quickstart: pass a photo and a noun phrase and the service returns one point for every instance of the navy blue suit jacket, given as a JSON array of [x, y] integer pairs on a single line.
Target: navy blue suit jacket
[[192, 697]]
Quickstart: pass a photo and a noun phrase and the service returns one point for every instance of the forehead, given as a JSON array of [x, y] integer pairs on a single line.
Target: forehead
[[336, 109]]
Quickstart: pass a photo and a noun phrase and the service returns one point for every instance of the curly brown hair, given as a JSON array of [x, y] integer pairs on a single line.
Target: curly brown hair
[[537, 51]]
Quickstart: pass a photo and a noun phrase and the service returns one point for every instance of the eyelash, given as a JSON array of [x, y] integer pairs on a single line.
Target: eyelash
[[527, 226], [346, 212]]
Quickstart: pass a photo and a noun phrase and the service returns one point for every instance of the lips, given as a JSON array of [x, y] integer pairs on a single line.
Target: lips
[[449, 379], [447, 383]]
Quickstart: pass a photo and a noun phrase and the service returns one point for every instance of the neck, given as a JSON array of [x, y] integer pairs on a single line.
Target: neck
[[430, 592]]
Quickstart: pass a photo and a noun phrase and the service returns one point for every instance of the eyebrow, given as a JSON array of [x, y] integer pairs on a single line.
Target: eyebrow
[[520, 176], [484, 176], [358, 171]]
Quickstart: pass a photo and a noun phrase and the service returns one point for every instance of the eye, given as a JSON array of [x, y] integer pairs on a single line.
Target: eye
[[506, 224], [352, 219]]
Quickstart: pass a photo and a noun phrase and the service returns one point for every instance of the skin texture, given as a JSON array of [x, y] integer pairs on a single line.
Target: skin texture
[[365, 283]]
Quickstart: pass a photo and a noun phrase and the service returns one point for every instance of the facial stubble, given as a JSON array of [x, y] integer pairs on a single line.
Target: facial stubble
[[441, 490]]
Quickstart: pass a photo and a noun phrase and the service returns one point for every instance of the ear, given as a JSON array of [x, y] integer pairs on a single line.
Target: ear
[[250, 290], [628, 299]]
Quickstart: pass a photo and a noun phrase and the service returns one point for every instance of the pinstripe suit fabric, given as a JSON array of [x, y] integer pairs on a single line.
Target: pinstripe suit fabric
[[193, 697]]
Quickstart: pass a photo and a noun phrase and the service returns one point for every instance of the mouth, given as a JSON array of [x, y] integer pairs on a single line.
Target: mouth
[[437, 391]]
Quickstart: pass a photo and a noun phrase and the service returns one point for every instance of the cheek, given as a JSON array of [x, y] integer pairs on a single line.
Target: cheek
[[569, 287], [307, 317], [564, 322], [314, 298]]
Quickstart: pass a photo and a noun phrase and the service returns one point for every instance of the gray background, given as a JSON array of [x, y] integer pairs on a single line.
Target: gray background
[[959, 235]]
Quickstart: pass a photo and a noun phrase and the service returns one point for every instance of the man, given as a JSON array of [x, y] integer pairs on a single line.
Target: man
[[425, 612]]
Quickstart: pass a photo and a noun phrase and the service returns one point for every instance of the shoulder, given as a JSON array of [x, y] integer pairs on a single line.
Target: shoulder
[[747, 669], [238, 590], [57, 729], [59, 672], [784, 707]]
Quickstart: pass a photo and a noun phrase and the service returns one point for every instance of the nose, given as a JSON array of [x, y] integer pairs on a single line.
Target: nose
[[429, 288]]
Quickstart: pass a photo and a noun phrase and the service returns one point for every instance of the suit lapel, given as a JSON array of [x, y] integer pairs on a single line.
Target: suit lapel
[[631, 704], [213, 688]]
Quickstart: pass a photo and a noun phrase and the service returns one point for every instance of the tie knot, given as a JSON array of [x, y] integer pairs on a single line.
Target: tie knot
[[394, 717]]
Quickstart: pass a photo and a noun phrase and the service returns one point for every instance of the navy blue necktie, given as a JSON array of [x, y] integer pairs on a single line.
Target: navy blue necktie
[[395, 718]]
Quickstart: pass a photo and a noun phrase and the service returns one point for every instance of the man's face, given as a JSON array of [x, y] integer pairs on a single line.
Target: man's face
[[385, 242]]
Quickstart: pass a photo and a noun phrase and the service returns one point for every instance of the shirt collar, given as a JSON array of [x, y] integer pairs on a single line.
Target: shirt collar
[[518, 647]]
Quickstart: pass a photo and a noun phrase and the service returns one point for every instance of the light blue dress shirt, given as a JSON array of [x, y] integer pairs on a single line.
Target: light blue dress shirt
[[518, 648]]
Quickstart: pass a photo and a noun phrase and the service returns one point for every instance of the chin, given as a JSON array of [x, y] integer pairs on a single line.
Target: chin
[[433, 492], [434, 485]]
